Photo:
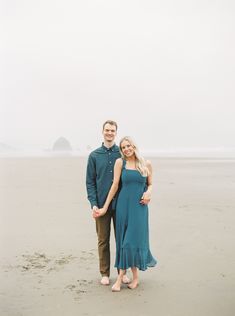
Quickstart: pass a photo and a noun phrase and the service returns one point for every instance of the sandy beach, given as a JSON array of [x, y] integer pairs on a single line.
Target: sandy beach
[[48, 244]]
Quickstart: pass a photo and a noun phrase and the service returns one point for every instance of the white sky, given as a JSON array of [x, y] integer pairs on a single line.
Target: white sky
[[164, 70]]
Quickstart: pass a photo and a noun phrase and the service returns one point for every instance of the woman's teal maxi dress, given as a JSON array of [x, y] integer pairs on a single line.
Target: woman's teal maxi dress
[[132, 230]]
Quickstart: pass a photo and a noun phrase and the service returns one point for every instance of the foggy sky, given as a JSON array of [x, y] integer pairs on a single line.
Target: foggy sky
[[164, 70]]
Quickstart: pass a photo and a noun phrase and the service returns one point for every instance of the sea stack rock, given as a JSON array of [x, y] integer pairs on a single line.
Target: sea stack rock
[[62, 144]]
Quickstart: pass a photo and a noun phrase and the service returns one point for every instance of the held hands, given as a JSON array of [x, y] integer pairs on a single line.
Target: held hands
[[98, 212], [145, 199]]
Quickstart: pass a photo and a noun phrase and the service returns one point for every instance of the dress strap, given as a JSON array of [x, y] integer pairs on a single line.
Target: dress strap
[[123, 163]]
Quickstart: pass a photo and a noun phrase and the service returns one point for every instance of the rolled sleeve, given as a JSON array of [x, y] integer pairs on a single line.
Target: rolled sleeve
[[91, 182]]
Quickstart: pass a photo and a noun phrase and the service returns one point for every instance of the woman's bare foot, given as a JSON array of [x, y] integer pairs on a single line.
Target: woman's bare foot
[[117, 286], [133, 285], [125, 279]]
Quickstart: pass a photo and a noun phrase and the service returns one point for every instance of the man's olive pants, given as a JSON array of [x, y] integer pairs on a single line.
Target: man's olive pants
[[103, 228]]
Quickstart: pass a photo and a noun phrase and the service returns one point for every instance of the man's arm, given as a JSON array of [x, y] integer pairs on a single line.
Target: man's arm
[[91, 182]]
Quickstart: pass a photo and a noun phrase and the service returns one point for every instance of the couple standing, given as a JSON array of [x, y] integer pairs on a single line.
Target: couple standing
[[119, 184]]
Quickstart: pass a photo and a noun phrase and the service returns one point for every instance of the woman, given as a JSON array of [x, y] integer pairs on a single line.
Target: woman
[[132, 233]]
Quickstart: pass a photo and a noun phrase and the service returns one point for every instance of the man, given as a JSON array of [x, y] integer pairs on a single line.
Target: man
[[99, 177]]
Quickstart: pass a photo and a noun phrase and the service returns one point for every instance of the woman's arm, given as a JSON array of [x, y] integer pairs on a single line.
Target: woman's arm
[[146, 197], [114, 187]]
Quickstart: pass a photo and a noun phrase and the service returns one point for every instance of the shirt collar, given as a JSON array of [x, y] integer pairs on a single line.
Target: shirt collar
[[108, 149]]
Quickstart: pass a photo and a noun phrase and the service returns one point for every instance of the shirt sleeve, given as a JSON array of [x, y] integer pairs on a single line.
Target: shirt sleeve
[[91, 182]]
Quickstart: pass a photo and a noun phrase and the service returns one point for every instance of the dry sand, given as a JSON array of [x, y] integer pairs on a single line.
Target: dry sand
[[49, 262]]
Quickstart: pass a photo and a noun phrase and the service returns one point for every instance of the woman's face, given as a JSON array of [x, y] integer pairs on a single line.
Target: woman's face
[[127, 149]]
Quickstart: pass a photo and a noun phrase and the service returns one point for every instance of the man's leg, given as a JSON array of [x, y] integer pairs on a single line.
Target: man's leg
[[103, 224]]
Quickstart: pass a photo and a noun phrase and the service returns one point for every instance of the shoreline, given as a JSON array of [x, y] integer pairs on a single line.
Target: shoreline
[[75, 156]]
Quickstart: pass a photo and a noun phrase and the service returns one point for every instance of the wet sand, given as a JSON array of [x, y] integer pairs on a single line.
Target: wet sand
[[49, 261]]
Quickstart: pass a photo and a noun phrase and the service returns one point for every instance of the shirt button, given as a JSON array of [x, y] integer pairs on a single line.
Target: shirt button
[[110, 162], [110, 170]]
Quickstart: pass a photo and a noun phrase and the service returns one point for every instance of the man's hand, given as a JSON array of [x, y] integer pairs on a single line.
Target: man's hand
[[94, 211], [145, 199]]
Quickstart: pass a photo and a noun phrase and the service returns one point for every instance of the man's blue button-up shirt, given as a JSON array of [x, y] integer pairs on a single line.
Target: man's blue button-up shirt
[[99, 175]]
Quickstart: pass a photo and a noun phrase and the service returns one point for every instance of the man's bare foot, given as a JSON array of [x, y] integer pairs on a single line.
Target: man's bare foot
[[133, 284], [125, 279], [104, 280]]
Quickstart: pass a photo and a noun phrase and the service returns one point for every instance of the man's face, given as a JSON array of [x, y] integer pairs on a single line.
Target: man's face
[[109, 132]]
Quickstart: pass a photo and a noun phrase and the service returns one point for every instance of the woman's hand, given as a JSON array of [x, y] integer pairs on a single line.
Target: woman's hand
[[145, 199]]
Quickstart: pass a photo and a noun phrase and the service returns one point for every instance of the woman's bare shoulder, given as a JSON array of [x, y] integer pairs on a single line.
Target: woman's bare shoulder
[[119, 162]]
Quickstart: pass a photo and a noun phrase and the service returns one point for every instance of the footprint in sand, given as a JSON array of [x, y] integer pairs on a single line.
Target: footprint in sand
[[78, 289], [88, 255], [40, 262]]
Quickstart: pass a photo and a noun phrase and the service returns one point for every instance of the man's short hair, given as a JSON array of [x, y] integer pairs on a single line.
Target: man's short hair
[[111, 123]]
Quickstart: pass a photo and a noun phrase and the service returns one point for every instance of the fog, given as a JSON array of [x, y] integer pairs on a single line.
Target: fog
[[165, 71]]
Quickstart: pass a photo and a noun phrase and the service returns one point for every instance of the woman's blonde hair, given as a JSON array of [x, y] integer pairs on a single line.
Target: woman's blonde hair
[[141, 165]]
